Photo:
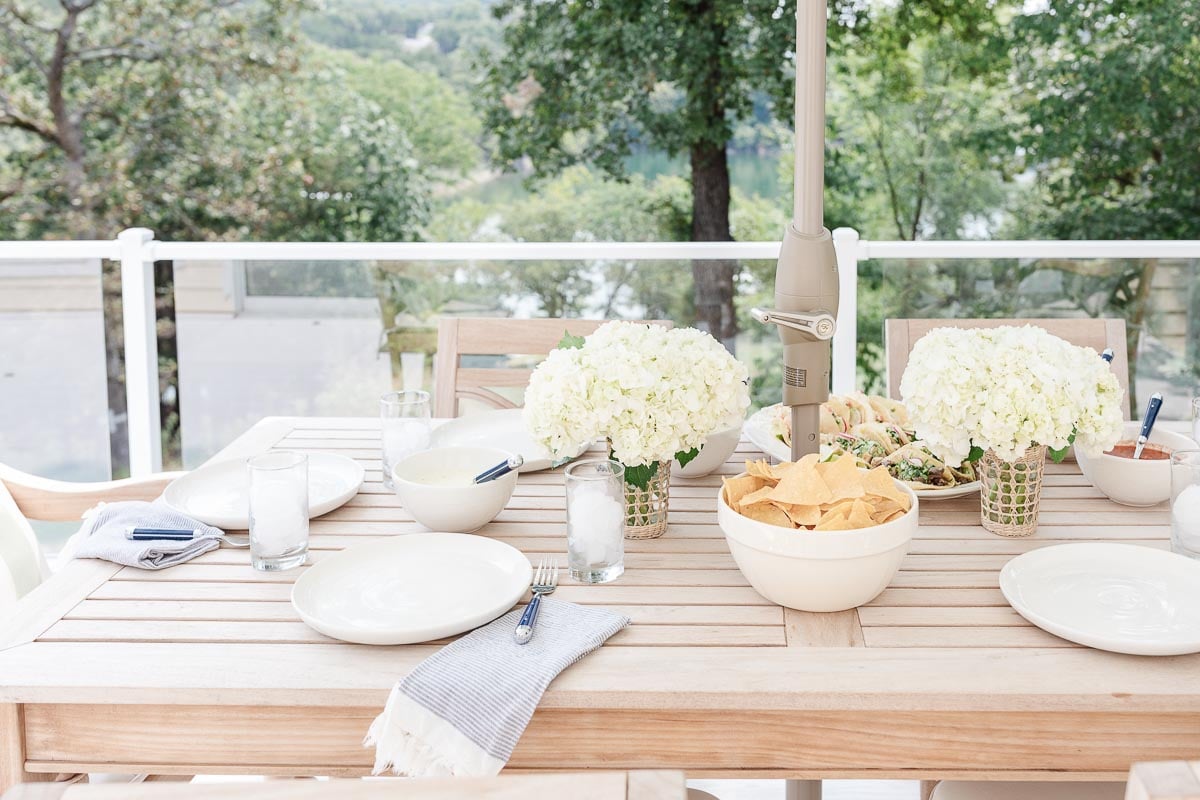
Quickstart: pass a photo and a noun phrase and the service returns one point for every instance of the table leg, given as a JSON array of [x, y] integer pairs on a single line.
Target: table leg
[[927, 788], [12, 750], [802, 790]]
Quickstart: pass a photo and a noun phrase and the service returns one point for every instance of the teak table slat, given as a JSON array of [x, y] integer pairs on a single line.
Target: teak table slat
[[205, 667]]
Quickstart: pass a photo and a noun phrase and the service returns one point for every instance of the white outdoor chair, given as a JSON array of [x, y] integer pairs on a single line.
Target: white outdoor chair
[[24, 497]]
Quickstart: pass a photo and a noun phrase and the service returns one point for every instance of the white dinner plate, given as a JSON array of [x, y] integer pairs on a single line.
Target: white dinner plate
[[758, 431], [411, 588], [219, 493], [501, 428], [1120, 597]]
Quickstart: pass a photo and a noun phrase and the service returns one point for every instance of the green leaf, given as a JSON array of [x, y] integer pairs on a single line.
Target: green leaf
[[640, 475], [1059, 455], [684, 456], [975, 454], [570, 342]]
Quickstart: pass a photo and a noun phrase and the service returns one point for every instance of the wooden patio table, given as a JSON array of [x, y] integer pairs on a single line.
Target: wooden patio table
[[205, 667]]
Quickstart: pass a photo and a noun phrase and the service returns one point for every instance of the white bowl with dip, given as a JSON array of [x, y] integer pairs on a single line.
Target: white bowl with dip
[[1144, 482], [436, 487]]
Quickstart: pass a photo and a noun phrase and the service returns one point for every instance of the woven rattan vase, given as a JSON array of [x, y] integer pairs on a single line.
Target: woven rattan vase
[[1010, 492], [646, 509]]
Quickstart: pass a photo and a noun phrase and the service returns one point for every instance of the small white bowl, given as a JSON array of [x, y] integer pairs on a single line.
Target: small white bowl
[[1134, 483], [817, 570], [715, 451], [423, 485]]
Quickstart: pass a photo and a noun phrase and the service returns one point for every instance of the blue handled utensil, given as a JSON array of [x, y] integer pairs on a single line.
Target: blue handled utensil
[[138, 534], [1152, 408], [1107, 355], [503, 468], [545, 581]]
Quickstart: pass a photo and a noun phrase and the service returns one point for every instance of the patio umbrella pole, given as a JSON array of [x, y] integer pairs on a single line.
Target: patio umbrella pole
[[806, 276]]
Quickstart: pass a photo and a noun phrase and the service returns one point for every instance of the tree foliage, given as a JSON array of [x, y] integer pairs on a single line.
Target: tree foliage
[[1111, 93], [197, 118]]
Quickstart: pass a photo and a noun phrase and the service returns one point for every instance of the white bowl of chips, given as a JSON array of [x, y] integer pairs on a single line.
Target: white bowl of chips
[[826, 538]]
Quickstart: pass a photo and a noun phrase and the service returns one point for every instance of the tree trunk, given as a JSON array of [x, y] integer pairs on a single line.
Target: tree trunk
[[713, 280]]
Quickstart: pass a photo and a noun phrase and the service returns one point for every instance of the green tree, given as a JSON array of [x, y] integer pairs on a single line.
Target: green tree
[[89, 86], [436, 117], [583, 82], [1112, 95]]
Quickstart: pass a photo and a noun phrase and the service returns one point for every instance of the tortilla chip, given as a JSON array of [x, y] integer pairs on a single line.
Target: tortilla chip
[[879, 483], [768, 513], [843, 477], [834, 522], [840, 507], [757, 496], [802, 487], [760, 469], [860, 515], [803, 515], [739, 487], [893, 516]]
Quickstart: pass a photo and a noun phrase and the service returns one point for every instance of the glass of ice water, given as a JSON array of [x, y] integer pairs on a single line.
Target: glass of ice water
[[278, 510], [596, 520], [405, 420], [1185, 502]]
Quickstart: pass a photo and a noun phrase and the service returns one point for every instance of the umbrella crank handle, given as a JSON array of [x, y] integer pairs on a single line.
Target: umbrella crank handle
[[819, 325]]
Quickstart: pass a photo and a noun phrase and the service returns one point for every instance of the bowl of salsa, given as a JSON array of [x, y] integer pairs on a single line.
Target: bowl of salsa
[[1145, 481]]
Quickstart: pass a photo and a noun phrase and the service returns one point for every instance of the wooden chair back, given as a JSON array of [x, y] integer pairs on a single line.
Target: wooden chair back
[[901, 334], [495, 336]]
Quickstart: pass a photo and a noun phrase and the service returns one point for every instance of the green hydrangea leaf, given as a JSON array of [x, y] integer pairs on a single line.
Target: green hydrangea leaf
[[684, 456], [641, 475], [570, 341]]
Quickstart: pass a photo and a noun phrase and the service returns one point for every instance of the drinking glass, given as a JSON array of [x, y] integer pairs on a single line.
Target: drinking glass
[[278, 510], [596, 520], [1185, 502], [406, 427]]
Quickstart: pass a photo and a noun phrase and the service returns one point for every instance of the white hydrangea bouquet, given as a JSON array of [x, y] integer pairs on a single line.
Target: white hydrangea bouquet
[[654, 393], [1003, 396]]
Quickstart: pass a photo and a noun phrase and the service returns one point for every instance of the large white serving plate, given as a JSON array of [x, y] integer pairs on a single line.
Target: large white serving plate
[[411, 588], [219, 493], [501, 428], [1119, 597], [758, 431]]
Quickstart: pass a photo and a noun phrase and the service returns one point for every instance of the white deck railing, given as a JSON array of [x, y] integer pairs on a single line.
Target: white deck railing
[[137, 250]]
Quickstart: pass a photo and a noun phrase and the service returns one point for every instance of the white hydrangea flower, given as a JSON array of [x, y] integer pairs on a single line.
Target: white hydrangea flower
[[651, 391], [1006, 389]]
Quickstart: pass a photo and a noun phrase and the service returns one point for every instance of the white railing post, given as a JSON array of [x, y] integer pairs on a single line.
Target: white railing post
[[141, 352], [845, 337]]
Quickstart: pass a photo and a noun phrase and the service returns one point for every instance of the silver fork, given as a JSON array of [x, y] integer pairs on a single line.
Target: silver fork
[[545, 581]]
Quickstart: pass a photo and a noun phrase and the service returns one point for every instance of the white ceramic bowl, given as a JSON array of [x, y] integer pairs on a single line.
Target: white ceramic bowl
[[715, 451], [817, 570], [1134, 483], [459, 508]]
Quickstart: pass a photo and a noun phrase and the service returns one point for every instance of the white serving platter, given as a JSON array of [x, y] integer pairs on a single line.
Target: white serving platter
[[758, 431], [501, 428], [219, 493], [1119, 597], [411, 588]]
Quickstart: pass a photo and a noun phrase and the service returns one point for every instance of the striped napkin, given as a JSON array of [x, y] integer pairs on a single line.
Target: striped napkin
[[462, 710], [103, 535]]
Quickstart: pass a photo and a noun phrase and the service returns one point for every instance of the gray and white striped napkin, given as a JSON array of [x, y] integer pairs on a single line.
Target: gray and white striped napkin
[[462, 710], [103, 535]]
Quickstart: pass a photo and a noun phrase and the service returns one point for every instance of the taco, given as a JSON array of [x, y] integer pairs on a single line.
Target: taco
[[919, 468]]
